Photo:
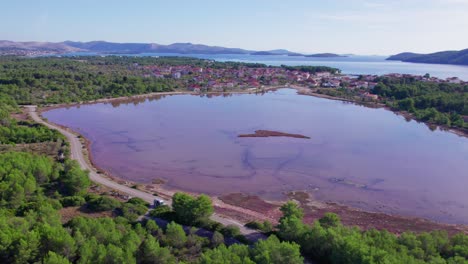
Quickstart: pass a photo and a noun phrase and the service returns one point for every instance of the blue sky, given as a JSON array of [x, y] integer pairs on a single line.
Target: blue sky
[[352, 26]]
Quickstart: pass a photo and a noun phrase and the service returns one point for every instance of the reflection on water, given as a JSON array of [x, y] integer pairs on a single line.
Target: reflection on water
[[368, 158]]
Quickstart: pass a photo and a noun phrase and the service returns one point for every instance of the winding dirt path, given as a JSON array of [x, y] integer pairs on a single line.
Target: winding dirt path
[[76, 153]]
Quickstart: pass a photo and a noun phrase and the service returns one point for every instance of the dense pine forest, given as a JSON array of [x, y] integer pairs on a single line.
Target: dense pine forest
[[438, 103]]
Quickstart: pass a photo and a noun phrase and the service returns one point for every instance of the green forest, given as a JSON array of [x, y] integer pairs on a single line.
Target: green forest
[[438, 103], [35, 189], [63, 80], [431, 102], [328, 241]]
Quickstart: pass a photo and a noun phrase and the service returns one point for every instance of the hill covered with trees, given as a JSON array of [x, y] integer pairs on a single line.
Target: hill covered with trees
[[443, 57]]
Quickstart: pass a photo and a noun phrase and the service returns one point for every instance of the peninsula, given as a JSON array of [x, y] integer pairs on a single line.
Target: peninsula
[[442, 57]]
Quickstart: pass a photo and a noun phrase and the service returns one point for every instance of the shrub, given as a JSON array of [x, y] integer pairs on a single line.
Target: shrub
[[138, 201], [72, 201], [265, 227], [132, 211], [230, 230], [217, 239], [164, 212], [208, 224], [102, 203]]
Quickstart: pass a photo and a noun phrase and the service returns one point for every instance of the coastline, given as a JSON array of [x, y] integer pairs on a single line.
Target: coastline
[[244, 213], [372, 104]]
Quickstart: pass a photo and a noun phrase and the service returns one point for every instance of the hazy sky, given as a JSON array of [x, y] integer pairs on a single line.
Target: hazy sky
[[352, 26]]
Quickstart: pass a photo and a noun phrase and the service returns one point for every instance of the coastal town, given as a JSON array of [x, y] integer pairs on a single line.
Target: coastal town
[[202, 79]]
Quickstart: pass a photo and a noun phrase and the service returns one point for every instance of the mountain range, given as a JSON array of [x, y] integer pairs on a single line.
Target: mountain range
[[104, 47], [443, 57]]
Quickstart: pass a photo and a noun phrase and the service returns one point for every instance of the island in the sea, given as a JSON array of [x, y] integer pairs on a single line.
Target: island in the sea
[[270, 133], [325, 55]]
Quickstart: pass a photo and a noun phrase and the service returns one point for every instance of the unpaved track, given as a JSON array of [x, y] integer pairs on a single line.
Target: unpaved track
[[76, 150]]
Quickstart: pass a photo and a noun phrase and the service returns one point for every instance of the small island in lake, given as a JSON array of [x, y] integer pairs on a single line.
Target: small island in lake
[[269, 133]]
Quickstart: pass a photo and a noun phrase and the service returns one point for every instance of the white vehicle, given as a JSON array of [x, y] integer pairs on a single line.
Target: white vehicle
[[158, 202]]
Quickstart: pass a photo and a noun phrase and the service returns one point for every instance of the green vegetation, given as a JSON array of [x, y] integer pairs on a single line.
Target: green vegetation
[[267, 251], [431, 102], [26, 179], [31, 187], [328, 241], [312, 69], [442, 57], [14, 132], [65, 80], [189, 210], [265, 226], [438, 103], [97, 203]]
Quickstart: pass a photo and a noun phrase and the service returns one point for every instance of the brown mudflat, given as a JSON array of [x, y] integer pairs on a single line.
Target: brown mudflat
[[269, 133]]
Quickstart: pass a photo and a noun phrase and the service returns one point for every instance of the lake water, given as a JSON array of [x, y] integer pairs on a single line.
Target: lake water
[[348, 65], [362, 157]]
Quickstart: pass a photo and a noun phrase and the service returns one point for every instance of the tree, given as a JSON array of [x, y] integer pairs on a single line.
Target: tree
[[175, 235], [235, 254], [190, 210], [54, 258], [407, 104], [291, 228], [203, 207], [291, 209], [182, 206], [151, 252], [273, 251], [217, 239], [151, 226], [132, 210], [330, 220], [74, 180], [58, 240]]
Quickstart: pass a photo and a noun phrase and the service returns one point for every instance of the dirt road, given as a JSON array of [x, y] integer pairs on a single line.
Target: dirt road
[[76, 150]]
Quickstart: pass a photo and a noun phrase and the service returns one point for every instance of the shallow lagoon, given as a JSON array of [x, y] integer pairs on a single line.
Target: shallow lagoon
[[362, 157]]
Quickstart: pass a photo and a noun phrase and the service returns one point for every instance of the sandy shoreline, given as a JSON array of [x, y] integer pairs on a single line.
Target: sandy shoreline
[[244, 212]]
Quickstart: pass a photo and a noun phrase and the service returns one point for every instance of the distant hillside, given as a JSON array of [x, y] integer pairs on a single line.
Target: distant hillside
[[36, 46], [110, 47], [404, 56], [104, 47], [443, 57], [325, 55], [184, 48]]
